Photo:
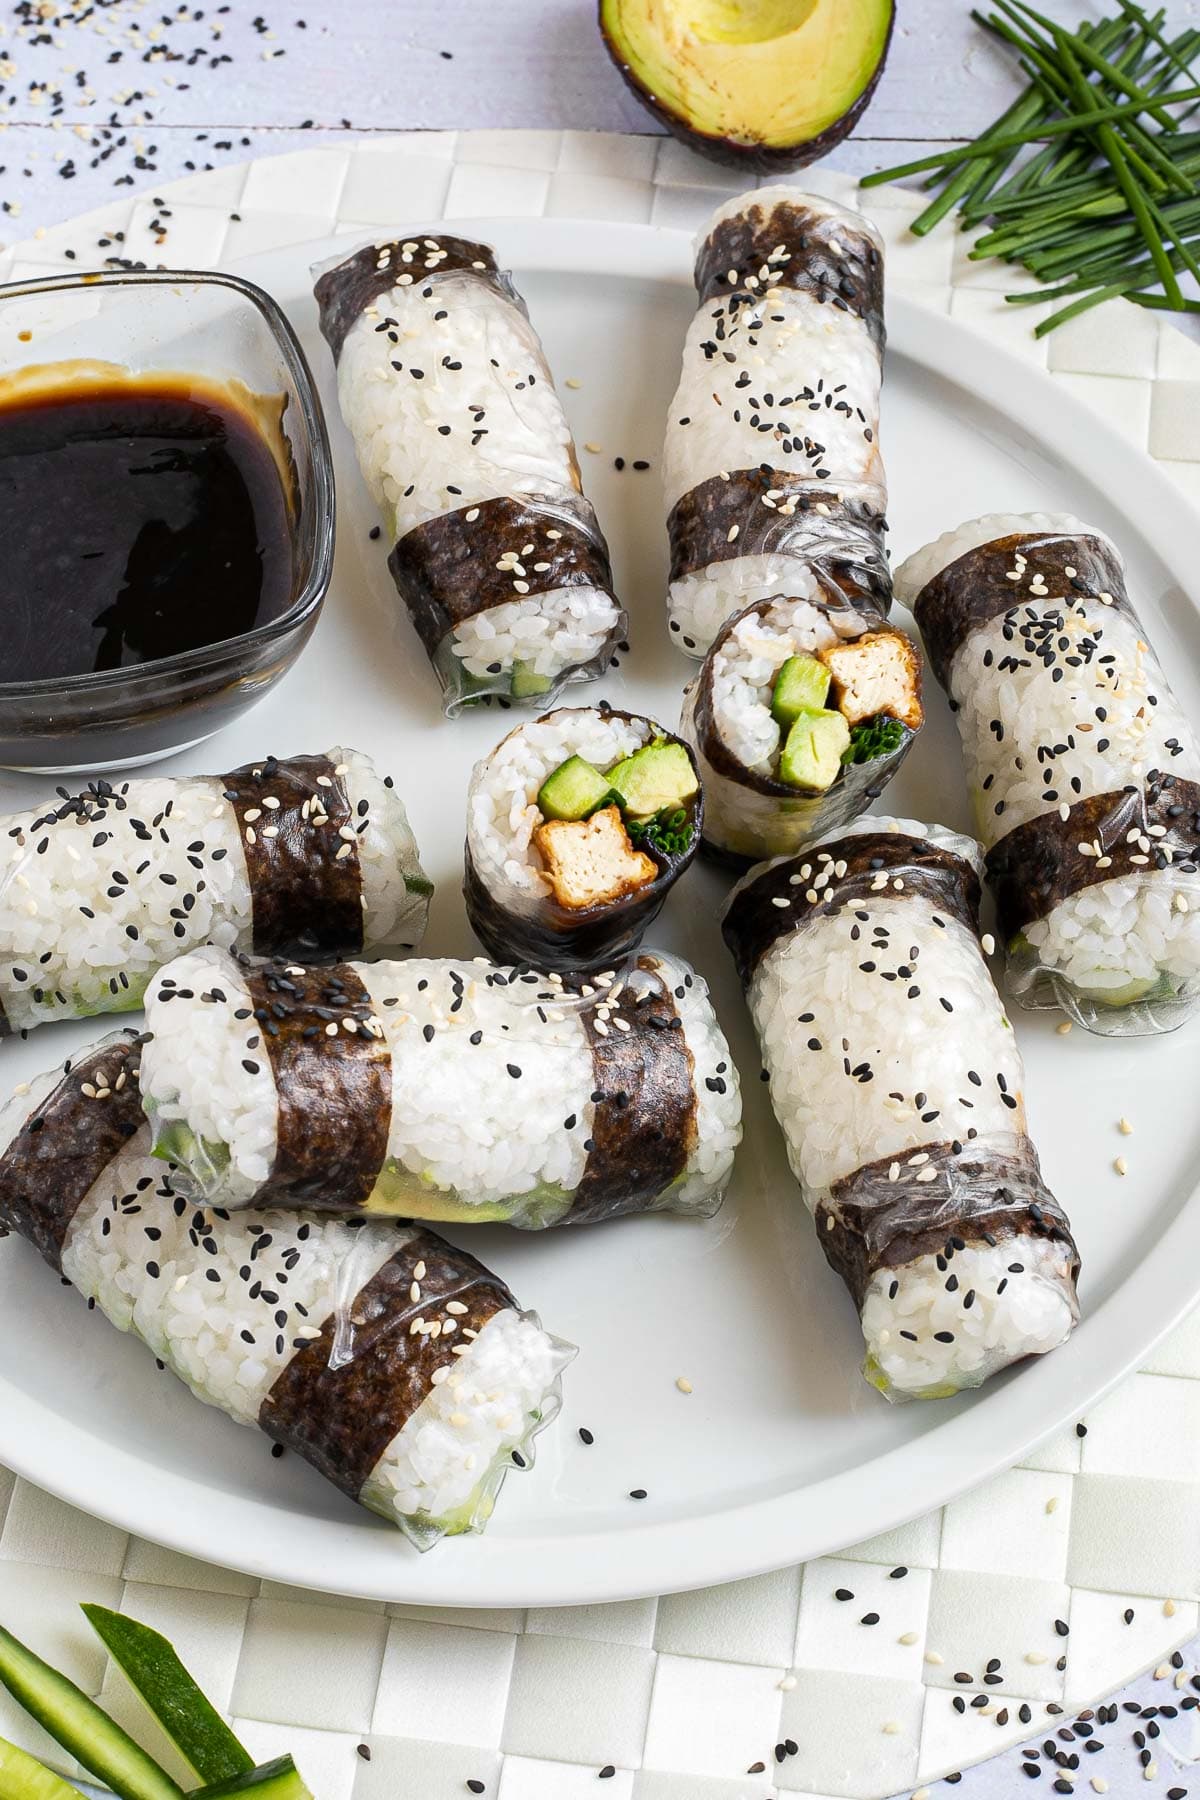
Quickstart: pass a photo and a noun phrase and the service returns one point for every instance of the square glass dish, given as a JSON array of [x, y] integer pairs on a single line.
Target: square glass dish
[[138, 616]]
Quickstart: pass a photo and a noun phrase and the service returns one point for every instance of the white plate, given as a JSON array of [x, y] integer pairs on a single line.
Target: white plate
[[781, 1452]]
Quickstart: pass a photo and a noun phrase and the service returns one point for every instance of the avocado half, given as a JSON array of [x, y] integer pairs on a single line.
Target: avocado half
[[766, 85]]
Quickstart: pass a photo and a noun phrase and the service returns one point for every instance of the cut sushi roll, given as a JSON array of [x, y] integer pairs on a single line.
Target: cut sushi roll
[[801, 715], [897, 1082], [442, 1090], [772, 466], [1084, 769], [463, 443], [578, 826], [303, 856], [395, 1364]]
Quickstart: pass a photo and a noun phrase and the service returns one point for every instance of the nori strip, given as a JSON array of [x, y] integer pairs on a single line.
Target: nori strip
[[871, 1223], [644, 1124], [840, 540], [783, 244], [342, 1415], [64, 1147], [975, 588], [333, 1079], [753, 924], [6, 1029], [305, 876], [344, 293], [564, 938], [446, 570], [1041, 863]]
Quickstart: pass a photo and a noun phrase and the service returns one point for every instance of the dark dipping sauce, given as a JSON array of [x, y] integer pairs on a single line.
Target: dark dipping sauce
[[142, 519]]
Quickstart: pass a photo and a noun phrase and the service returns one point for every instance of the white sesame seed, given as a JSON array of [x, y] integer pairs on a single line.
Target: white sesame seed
[[1124, 1127], [683, 1384], [1121, 1166], [907, 1637], [1064, 1029]]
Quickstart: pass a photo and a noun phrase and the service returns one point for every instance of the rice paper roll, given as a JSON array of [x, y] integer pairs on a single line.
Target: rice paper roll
[[1084, 768], [897, 1082], [464, 446], [395, 1364], [578, 826], [299, 856], [777, 773], [442, 1089], [771, 467]]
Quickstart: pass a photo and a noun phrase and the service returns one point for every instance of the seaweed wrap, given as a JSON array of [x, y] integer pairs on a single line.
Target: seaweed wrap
[[897, 1083], [299, 856], [441, 1089], [771, 466], [1084, 768], [803, 711], [463, 443], [578, 826], [394, 1363]]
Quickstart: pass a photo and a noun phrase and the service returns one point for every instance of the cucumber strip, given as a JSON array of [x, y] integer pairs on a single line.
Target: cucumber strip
[[278, 1780], [23, 1777], [78, 1724], [156, 1674]]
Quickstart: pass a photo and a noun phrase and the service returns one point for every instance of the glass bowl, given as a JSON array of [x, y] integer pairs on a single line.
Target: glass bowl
[[223, 330]]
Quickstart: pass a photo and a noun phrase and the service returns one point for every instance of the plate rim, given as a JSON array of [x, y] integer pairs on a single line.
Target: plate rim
[[361, 1557]]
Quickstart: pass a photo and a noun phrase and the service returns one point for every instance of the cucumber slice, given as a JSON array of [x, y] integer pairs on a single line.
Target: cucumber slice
[[78, 1724], [526, 682], [150, 1664], [278, 1780], [573, 790], [23, 1777], [802, 685]]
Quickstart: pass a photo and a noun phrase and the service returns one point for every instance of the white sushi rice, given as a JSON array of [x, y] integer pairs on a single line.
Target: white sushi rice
[[744, 671], [509, 1154], [468, 358], [1116, 937], [184, 1294], [799, 344], [502, 809], [938, 1074], [86, 920]]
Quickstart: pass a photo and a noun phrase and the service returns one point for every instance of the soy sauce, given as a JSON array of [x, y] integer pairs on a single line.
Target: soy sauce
[[141, 519]]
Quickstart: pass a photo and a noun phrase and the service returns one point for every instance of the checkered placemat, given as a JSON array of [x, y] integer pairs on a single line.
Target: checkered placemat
[[997, 1617]]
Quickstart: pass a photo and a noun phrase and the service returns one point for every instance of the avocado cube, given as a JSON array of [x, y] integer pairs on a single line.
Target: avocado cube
[[657, 776], [812, 754], [802, 685], [574, 790]]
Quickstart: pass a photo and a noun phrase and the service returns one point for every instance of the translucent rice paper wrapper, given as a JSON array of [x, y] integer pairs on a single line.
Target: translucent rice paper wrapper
[[495, 552], [913, 1158], [751, 816], [1083, 766], [589, 1099]]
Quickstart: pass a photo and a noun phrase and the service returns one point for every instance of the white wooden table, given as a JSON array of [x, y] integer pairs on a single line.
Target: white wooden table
[[428, 64]]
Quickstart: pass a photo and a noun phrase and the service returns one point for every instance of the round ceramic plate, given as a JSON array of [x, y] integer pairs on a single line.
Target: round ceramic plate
[[781, 1451]]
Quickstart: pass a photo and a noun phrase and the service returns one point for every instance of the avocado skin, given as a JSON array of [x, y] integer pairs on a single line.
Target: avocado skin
[[755, 159]]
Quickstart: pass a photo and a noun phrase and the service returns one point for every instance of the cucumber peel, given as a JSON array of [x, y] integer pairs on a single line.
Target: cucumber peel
[[160, 1680], [23, 1777], [278, 1780], [80, 1726]]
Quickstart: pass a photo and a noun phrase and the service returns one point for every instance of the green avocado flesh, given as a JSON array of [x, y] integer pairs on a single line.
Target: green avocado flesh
[[812, 753], [802, 685], [772, 75], [574, 790], [658, 776]]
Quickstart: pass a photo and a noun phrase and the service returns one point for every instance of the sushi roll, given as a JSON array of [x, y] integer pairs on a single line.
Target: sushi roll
[[463, 443], [897, 1083], [395, 1364], [578, 826], [802, 713], [442, 1090], [301, 856], [1084, 769], [771, 466]]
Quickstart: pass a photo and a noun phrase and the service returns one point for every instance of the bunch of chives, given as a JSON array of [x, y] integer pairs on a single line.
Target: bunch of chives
[[1090, 180]]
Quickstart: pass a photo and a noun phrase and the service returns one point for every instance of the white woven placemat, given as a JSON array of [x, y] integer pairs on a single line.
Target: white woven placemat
[[1067, 1576]]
